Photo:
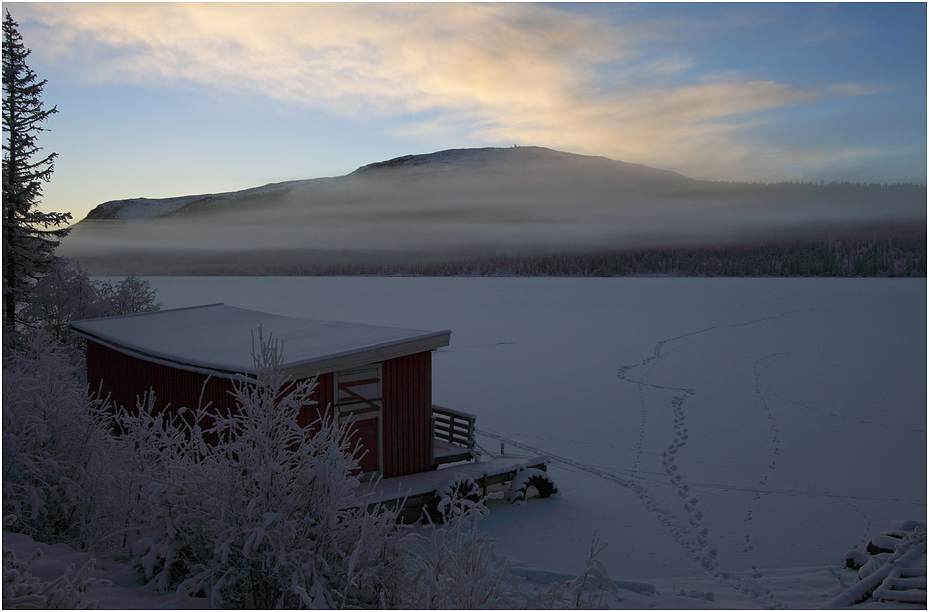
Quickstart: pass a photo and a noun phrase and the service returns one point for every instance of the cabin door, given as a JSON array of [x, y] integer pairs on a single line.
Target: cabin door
[[359, 401]]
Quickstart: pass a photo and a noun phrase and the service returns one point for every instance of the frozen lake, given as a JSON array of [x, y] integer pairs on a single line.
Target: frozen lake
[[721, 430]]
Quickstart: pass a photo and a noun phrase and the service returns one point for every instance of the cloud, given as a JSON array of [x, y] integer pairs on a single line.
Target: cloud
[[504, 72]]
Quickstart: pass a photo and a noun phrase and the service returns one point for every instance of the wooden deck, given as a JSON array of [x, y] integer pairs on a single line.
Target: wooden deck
[[418, 492], [446, 452]]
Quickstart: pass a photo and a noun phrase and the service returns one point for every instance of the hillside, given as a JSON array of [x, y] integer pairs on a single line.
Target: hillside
[[466, 203], [491, 171]]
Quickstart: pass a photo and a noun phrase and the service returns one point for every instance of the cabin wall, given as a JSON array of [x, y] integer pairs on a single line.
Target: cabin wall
[[126, 379], [407, 389], [406, 386]]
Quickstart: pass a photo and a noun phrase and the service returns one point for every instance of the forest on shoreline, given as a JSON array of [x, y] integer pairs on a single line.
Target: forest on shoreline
[[897, 256], [861, 258]]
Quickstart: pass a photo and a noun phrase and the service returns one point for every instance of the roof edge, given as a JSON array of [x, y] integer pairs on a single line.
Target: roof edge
[[323, 365], [239, 376], [307, 365], [372, 354], [72, 324]]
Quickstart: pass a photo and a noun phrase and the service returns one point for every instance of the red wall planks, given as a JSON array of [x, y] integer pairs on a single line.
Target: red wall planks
[[407, 414]]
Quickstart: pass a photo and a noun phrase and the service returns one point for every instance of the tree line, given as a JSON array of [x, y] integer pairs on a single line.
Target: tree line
[[860, 258], [902, 255]]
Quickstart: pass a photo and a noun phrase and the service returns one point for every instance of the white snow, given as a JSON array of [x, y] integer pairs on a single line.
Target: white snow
[[135, 209], [112, 585], [144, 208], [218, 338], [730, 439]]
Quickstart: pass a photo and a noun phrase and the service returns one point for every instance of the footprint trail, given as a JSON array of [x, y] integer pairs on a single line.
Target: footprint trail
[[690, 534], [695, 543]]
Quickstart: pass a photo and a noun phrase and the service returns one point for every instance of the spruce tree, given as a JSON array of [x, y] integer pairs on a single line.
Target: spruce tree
[[29, 235]]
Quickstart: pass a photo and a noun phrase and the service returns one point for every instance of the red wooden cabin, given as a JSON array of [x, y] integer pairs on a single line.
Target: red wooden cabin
[[379, 378]]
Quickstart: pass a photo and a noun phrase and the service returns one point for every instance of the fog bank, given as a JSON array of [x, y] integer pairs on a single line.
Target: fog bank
[[525, 199]]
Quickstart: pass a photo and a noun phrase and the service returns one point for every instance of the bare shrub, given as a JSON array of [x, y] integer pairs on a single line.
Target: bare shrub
[[270, 516], [56, 445]]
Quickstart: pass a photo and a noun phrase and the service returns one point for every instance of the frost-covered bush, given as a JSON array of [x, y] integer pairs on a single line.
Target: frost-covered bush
[[24, 591], [67, 293], [60, 465], [130, 295], [455, 495], [56, 445], [145, 448], [456, 568], [270, 515]]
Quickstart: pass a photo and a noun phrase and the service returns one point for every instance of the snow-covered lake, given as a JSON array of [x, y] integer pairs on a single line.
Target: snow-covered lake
[[731, 435]]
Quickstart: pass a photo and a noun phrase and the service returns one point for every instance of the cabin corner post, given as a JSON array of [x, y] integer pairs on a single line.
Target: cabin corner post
[[432, 458]]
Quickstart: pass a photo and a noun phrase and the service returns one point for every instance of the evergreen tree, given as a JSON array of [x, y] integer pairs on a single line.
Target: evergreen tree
[[29, 235]]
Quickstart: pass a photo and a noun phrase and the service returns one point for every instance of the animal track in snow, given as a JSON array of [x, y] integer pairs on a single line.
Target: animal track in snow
[[693, 542], [760, 389], [692, 535], [696, 537], [762, 392]]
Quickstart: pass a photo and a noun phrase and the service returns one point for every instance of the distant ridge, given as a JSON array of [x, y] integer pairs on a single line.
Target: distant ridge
[[150, 208], [466, 203], [634, 175], [502, 155]]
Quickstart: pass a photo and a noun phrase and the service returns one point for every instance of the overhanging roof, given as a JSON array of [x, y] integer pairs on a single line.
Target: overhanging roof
[[217, 339]]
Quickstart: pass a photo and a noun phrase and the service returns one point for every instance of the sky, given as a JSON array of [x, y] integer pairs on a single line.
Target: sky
[[169, 99]]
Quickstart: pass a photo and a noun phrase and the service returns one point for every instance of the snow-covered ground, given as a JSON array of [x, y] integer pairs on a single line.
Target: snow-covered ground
[[780, 420], [732, 436]]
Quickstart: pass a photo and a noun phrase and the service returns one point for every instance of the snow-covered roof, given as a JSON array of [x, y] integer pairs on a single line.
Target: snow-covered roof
[[217, 339]]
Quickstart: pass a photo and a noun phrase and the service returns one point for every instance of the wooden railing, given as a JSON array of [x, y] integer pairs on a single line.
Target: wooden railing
[[455, 428]]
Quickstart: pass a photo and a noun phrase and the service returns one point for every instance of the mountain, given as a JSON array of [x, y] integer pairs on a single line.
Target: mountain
[[469, 201], [518, 167]]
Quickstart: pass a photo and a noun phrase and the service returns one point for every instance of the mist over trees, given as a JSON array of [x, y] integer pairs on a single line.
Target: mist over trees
[[897, 253], [528, 210], [847, 258]]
